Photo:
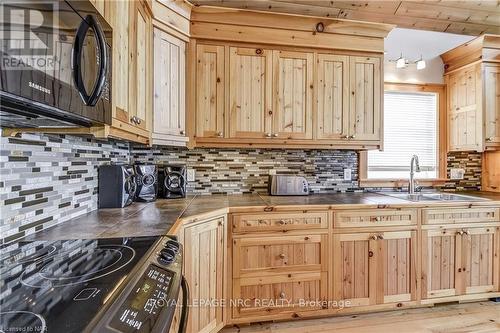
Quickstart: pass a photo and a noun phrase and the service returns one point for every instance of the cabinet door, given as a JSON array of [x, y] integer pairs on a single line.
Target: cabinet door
[[492, 104], [209, 91], [333, 97], [397, 262], [204, 271], [355, 268], [441, 257], [365, 106], [169, 85], [250, 90], [480, 266], [293, 83], [120, 22], [139, 90]]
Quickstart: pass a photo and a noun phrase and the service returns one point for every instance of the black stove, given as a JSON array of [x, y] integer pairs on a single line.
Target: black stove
[[71, 285]]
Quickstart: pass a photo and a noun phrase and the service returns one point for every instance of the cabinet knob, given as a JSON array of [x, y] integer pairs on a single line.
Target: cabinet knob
[[344, 137], [275, 135], [378, 218], [370, 254], [269, 135], [460, 233], [489, 139], [258, 51], [282, 256], [133, 119], [182, 132], [374, 237], [281, 222], [352, 136], [220, 134], [282, 295], [380, 237], [466, 232], [138, 120]]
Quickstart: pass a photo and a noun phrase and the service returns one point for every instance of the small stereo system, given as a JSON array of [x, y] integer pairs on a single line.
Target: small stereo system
[[117, 186]]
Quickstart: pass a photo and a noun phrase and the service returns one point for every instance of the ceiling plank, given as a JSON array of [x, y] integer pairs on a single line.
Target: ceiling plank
[[469, 17]]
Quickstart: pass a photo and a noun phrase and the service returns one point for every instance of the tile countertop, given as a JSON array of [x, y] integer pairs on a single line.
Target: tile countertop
[[164, 216]]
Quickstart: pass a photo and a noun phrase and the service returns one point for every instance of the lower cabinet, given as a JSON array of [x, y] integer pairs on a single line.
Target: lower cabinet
[[460, 261], [372, 268], [279, 274], [204, 255]]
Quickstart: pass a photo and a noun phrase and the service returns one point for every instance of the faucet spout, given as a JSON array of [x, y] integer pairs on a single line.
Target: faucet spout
[[414, 167]]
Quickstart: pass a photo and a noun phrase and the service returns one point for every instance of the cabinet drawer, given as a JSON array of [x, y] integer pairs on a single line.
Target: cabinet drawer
[[269, 295], [279, 221], [453, 215], [259, 256], [374, 218]]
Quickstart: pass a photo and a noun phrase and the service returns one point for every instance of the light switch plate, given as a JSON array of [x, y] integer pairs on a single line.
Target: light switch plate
[[191, 175], [347, 174], [457, 173]]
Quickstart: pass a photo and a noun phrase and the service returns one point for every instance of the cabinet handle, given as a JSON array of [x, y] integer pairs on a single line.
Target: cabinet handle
[[378, 219], [282, 256], [374, 237], [344, 137], [220, 134], [275, 135], [281, 222], [460, 233], [466, 232], [489, 139], [380, 237], [269, 135], [138, 121], [133, 120], [182, 132]]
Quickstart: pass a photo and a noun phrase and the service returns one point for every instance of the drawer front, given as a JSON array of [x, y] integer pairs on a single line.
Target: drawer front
[[279, 293], [374, 218], [452, 215], [279, 221], [260, 256]]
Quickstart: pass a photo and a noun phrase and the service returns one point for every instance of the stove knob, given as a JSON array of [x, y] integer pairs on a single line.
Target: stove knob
[[166, 256], [172, 245]]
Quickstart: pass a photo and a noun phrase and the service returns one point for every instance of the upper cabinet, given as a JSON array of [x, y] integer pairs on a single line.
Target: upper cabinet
[[209, 91], [290, 88], [472, 75], [250, 90], [169, 126]]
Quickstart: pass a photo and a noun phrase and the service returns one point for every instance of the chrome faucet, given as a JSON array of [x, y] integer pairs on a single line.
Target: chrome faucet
[[414, 166]]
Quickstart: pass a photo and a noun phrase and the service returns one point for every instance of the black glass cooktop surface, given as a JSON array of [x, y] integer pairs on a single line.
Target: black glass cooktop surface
[[59, 286]]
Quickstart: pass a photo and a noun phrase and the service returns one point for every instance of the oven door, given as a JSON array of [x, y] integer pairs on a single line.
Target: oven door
[[57, 54]]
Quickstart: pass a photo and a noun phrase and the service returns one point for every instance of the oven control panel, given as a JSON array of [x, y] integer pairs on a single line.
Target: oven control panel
[[148, 300]]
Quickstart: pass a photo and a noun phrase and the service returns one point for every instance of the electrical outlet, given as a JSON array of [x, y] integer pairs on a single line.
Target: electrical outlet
[[191, 175], [347, 174], [457, 173]]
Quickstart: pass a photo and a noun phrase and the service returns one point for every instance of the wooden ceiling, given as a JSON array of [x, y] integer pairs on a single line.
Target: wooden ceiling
[[468, 17]]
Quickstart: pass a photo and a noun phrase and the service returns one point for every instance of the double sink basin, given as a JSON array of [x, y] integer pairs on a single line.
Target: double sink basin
[[432, 197]]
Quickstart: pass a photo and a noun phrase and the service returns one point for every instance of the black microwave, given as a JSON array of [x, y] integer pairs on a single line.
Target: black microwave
[[55, 68]]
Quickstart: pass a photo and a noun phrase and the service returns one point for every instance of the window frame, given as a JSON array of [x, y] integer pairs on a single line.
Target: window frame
[[442, 149]]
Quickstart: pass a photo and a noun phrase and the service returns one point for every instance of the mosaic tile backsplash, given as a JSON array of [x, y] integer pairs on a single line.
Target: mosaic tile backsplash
[[49, 179], [226, 171], [45, 180]]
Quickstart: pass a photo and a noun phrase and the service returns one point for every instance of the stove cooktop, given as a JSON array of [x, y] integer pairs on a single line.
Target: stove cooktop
[[59, 286]]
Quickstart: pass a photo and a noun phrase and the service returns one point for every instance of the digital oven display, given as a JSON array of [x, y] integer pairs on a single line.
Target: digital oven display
[[143, 305]]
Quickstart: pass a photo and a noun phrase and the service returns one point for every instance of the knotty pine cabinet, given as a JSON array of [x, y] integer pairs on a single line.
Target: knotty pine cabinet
[[378, 267], [460, 261], [262, 96], [472, 75], [169, 99], [204, 246], [131, 22]]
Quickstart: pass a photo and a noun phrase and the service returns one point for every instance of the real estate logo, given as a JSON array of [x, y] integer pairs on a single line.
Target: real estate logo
[[28, 30]]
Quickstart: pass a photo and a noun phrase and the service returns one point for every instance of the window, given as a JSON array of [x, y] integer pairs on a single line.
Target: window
[[411, 126]]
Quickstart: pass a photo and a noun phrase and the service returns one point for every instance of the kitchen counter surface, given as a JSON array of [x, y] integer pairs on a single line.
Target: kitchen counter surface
[[166, 216]]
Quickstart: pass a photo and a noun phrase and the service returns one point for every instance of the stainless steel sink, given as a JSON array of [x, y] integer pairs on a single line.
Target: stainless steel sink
[[432, 197]]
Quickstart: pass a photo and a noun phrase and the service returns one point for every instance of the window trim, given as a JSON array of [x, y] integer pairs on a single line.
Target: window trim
[[440, 90]]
